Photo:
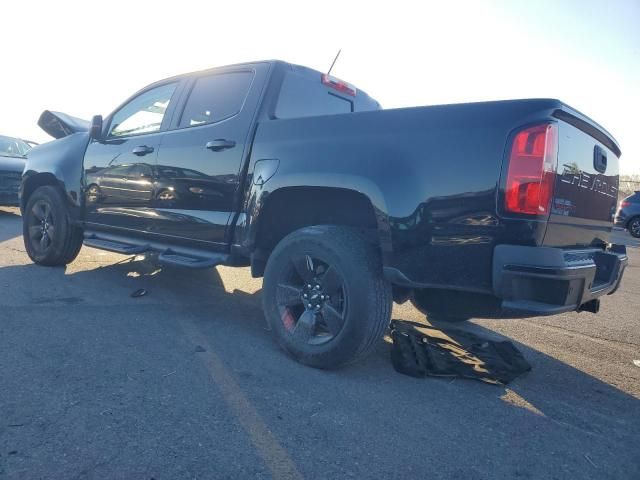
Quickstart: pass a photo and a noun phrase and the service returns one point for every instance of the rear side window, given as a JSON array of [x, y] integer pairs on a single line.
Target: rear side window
[[301, 96], [215, 98]]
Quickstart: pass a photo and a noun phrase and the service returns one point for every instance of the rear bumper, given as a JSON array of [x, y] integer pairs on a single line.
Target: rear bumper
[[547, 281]]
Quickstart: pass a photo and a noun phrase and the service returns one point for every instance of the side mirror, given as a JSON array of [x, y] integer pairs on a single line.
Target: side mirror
[[95, 132]]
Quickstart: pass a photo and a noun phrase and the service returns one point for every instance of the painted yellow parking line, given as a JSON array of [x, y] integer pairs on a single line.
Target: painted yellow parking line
[[267, 446]]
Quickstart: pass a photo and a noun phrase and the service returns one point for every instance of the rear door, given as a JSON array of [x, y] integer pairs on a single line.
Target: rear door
[[586, 186], [202, 154]]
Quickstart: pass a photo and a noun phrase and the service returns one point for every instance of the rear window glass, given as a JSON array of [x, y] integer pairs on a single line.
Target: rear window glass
[[216, 97], [301, 97]]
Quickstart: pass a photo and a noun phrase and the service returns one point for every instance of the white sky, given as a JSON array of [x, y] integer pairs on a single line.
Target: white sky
[[84, 57]]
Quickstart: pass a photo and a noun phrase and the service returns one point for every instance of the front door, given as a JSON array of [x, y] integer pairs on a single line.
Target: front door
[[119, 175], [202, 154]]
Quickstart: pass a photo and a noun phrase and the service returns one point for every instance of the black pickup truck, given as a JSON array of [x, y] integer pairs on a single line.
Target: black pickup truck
[[496, 209]]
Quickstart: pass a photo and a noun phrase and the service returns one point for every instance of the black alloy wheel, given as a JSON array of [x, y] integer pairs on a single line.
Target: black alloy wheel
[[41, 226], [311, 300], [50, 236], [324, 295]]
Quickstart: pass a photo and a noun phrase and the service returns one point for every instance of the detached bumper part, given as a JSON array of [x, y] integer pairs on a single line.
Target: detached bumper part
[[547, 281]]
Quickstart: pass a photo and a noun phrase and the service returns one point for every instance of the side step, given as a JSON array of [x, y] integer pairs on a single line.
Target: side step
[[175, 256], [113, 246], [169, 257]]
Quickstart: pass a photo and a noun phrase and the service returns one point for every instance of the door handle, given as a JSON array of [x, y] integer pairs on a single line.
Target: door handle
[[220, 144], [142, 150]]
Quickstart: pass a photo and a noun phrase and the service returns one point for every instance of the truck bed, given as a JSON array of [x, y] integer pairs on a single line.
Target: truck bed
[[450, 160]]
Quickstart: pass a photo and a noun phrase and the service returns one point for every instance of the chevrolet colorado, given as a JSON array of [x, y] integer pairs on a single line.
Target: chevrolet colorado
[[499, 209]]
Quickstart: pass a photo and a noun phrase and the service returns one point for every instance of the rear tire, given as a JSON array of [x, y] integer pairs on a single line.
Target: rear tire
[[634, 227], [50, 237], [324, 296]]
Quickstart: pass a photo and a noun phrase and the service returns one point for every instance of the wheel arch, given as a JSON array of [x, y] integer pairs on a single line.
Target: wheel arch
[[58, 163], [293, 207], [32, 181]]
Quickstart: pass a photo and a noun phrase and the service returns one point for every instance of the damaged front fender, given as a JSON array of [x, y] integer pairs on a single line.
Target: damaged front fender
[[57, 163]]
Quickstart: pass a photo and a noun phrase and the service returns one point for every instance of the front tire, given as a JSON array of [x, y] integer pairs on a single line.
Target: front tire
[[325, 297], [634, 227], [50, 237]]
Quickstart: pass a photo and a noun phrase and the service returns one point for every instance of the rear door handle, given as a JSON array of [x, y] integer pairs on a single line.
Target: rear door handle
[[142, 150], [220, 144]]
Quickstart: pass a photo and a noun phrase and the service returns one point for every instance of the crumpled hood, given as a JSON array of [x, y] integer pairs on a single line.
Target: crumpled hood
[[58, 124], [11, 164]]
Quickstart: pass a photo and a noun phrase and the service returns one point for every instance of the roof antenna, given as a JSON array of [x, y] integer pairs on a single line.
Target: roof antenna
[[334, 62]]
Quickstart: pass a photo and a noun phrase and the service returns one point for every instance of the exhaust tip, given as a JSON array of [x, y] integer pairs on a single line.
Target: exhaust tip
[[592, 306]]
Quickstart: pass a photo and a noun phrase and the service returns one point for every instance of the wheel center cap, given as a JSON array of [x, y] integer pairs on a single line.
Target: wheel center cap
[[313, 296]]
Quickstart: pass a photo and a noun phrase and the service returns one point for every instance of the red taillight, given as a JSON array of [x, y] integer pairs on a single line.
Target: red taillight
[[338, 85], [531, 173], [624, 203]]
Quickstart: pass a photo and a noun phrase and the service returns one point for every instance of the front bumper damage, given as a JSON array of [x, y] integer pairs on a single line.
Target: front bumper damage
[[547, 281]]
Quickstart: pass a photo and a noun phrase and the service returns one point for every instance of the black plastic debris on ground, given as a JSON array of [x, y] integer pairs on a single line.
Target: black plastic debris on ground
[[420, 350]]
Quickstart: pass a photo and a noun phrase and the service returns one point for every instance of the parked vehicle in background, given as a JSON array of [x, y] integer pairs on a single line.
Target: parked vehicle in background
[[483, 209], [628, 214], [13, 152]]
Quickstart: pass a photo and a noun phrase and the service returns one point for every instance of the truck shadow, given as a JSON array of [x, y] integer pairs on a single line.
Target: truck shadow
[[235, 294]]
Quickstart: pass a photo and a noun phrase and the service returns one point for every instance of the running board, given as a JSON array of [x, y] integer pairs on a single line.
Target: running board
[[169, 257], [113, 246]]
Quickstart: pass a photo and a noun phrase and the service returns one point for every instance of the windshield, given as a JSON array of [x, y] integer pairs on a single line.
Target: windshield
[[13, 147]]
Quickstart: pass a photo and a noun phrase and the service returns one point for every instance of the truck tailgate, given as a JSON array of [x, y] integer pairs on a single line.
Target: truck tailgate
[[586, 184]]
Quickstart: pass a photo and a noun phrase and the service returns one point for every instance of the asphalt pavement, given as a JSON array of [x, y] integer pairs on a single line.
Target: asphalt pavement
[[186, 382]]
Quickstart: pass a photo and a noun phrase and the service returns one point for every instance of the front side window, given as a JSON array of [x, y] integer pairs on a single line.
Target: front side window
[[215, 98], [144, 113]]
